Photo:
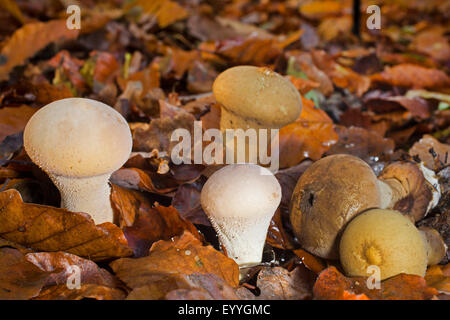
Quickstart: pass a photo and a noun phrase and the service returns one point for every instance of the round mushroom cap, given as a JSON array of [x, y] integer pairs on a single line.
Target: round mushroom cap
[[384, 238], [258, 94], [241, 191], [327, 196], [78, 137]]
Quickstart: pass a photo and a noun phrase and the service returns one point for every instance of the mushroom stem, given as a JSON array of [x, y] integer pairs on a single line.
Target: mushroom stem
[[434, 245], [234, 234], [91, 194]]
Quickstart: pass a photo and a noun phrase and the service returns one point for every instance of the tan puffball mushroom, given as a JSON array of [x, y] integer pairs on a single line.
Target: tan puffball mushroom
[[434, 244], [384, 238], [79, 143], [327, 196], [257, 98], [240, 200]]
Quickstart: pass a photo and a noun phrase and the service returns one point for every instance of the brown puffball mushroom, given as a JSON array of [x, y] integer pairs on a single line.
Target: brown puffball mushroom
[[409, 188], [434, 244], [384, 238], [240, 200], [338, 187], [79, 143], [257, 98], [327, 196]]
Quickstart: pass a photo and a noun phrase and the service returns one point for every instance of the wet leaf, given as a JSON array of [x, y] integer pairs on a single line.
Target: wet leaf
[[47, 228], [181, 255]]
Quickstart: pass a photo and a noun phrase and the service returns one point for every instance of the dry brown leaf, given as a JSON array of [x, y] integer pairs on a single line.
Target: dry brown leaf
[[252, 50], [46, 228], [30, 39], [280, 284], [310, 136], [154, 224], [19, 278], [341, 76], [412, 76], [87, 291], [181, 255], [166, 11], [59, 264], [321, 9], [195, 286], [14, 119], [434, 154]]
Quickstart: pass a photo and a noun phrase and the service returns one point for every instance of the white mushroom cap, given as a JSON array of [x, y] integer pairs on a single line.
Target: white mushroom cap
[[79, 143], [240, 200], [78, 137]]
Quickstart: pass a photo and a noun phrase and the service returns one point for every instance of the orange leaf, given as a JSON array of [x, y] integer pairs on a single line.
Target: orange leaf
[[309, 137], [183, 255], [438, 277], [13, 120], [413, 76], [30, 39], [47, 228]]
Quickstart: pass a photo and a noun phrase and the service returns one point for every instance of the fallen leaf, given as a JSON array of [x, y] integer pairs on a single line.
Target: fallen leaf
[[86, 291], [412, 76], [332, 285], [19, 278], [311, 262], [310, 136], [195, 286], [364, 144], [341, 76], [321, 9], [154, 224], [434, 154], [438, 277], [181, 255], [166, 11], [31, 38], [280, 284], [187, 201], [14, 119], [46, 228]]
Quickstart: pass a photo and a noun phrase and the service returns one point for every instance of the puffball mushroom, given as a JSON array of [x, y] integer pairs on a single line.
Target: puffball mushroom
[[327, 196], [434, 244], [336, 188], [257, 98], [384, 238], [240, 200], [79, 143]]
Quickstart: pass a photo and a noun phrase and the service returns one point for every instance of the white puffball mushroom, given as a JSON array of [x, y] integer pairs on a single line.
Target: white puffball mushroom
[[79, 143], [240, 201]]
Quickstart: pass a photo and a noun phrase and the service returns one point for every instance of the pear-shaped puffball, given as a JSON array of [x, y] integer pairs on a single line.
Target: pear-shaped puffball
[[79, 143], [240, 200]]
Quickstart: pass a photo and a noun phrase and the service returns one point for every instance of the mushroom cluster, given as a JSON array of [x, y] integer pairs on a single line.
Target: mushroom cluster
[[79, 142], [321, 207]]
